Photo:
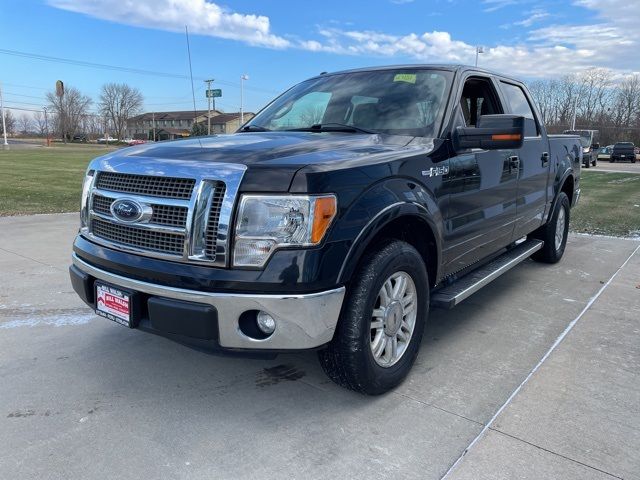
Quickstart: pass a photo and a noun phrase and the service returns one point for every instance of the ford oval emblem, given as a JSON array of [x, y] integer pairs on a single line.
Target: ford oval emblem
[[127, 210]]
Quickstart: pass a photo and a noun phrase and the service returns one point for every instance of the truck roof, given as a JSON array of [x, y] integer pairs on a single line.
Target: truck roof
[[443, 66]]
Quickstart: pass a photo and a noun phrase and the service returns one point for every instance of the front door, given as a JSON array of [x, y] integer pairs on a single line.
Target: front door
[[534, 162], [482, 186]]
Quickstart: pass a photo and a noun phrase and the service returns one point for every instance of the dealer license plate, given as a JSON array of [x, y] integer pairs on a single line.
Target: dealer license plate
[[113, 304]]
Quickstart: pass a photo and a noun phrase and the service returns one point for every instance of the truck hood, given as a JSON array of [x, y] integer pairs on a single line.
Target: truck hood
[[271, 148], [272, 158]]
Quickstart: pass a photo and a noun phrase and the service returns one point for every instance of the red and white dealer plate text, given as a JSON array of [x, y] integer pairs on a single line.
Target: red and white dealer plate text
[[113, 304]]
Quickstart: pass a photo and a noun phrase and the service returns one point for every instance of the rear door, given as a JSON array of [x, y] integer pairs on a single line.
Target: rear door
[[481, 184], [533, 161]]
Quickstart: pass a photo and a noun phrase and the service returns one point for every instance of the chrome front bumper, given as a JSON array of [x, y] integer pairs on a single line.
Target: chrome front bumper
[[302, 321]]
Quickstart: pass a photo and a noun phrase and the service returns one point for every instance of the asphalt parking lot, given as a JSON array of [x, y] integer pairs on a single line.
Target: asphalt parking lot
[[85, 398], [622, 167]]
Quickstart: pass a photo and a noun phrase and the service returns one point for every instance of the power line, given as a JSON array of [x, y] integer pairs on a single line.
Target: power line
[[118, 68]]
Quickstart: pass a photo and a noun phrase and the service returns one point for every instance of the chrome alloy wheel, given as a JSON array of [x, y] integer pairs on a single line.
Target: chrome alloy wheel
[[560, 224], [393, 319]]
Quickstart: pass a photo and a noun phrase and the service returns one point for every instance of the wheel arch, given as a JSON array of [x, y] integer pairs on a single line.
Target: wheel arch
[[403, 221]]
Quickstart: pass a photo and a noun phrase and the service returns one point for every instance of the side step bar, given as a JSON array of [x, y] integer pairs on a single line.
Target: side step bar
[[452, 295]]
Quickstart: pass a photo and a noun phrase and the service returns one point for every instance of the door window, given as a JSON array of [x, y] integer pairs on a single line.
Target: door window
[[519, 105], [478, 98]]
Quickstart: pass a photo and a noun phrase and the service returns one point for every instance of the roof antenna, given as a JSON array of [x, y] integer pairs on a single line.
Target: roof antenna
[[193, 93]]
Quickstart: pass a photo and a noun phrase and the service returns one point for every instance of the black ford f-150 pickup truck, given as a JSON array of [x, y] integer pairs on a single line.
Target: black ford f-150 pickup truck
[[333, 220]]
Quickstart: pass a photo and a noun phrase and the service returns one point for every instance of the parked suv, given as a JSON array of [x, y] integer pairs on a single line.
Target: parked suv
[[334, 220]]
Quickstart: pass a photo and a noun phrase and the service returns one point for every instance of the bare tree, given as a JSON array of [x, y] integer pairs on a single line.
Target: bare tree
[[312, 115], [68, 111], [627, 102], [9, 122], [25, 123], [119, 102], [40, 123]]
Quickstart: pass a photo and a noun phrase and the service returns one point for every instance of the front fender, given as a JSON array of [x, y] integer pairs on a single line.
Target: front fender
[[381, 204]]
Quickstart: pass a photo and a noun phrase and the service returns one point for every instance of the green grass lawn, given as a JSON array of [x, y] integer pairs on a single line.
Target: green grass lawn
[[49, 180], [609, 204], [43, 180]]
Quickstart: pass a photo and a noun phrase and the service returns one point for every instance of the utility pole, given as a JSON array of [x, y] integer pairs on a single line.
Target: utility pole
[[153, 120], [479, 50], [46, 127], [209, 82], [243, 77], [4, 126]]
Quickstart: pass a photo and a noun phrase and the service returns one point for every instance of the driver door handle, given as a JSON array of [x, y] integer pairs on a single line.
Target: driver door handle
[[514, 162], [545, 159]]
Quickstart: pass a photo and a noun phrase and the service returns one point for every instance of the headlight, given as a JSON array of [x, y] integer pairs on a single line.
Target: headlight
[[268, 222], [84, 207], [585, 149]]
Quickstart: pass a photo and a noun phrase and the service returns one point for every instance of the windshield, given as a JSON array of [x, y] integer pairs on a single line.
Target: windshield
[[585, 136], [401, 102]]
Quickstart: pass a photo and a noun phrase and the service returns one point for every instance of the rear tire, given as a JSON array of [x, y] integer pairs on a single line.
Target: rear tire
[[376, 341], [554, 233]]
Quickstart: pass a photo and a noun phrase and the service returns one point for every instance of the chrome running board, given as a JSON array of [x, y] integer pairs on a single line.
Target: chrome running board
[[452, 295]]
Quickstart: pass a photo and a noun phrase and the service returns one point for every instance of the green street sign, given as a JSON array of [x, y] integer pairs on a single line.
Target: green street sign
[[214, 93]]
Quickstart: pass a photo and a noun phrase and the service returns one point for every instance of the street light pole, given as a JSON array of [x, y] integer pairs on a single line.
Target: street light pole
[[243, 77], [209, 82], [479, 50], [4, 126]]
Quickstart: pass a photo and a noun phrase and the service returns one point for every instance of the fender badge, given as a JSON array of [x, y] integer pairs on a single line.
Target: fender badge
[[436, 171]]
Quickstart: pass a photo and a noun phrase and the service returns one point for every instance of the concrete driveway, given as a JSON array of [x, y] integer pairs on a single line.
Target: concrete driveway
[[84, 398]]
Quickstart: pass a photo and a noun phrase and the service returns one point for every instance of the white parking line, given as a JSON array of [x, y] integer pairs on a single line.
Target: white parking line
[[538, 365]]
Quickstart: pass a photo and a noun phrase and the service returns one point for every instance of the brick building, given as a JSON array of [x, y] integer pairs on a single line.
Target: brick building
[[174, 125]]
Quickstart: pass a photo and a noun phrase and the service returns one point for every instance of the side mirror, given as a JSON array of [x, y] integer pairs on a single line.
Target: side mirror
[[595, 146], [492, 132]]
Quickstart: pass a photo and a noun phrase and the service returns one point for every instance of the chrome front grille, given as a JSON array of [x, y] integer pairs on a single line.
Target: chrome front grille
[[152, 186], [211, 235], [171, 215], [150, 240], [186, 219]]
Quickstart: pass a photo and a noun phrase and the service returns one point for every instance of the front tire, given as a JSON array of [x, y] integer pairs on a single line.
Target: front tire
[[554, 233], [382, 321]]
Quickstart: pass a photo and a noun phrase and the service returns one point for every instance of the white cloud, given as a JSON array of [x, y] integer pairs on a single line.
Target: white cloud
[[534, 17], [612, 42], [202, 17], [493, 5]]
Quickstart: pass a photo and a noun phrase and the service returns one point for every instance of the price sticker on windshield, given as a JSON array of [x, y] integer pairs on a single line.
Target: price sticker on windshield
[[405, 77]]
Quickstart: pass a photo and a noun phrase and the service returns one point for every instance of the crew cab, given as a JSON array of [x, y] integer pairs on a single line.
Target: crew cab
[[623, 152], [333, 220]]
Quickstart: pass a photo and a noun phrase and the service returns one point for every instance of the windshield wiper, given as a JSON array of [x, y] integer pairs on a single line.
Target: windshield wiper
[[254, 128], [332, 127]]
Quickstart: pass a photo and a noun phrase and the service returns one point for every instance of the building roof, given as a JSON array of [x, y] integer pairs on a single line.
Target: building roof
[[179, 115], [223, 118]]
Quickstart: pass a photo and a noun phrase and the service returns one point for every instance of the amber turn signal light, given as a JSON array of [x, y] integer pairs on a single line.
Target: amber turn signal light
[[324, 211], [506, 136]]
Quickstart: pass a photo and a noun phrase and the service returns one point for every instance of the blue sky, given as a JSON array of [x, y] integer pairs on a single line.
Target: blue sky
[[279, 43]]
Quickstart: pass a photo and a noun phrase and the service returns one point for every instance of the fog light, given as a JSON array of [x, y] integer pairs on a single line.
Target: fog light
[[266, 323]]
